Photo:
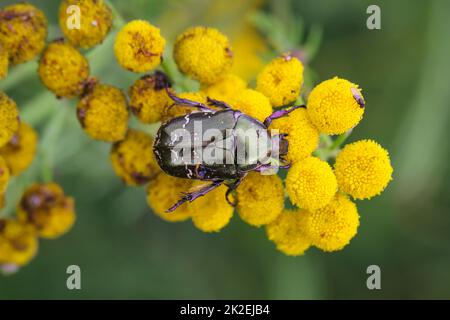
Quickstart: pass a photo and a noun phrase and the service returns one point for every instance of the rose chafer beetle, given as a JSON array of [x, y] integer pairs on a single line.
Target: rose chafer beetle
[[177, 159]]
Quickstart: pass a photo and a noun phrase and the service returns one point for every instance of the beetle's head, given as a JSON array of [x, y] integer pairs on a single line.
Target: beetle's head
[[280, 149]]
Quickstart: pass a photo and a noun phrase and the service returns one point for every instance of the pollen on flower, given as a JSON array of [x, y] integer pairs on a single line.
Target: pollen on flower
[[281, 80], [20, 151], [303, 137], [225, 88], [139, 46], [133, 160], [63, 70], [103, 113], [212, 212], [48, 209], [252, 103], [4, 175], [9, 119], [203, 54], [332, 227], [95, 22], [311, 184], [23, 31], [260, 198], [18, 242], [288, 232], [4, 62], [363, 169], [148, 98], [335, 106], [163, 192], [173, 110]]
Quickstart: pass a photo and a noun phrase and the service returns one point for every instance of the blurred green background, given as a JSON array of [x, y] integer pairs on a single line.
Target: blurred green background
[[125, 251]]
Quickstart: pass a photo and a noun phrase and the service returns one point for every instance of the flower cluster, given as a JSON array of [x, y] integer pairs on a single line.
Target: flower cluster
[[324, 216], [309, 206], [44, 211]]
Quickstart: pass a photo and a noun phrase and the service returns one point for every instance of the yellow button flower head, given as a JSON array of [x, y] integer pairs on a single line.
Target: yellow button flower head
[[18, 242], [226, 88], [4, 62], [63, 70], [211, 212], [95, 22], [311, 183], [4, 175], [252, 103], [363, 169], [335, 106], [163, 192], [103, 113], [139, 46], [281, 80], [48, 209], [332, 227], [19, 152], [23, 30], [303, 137], [260, 198], [288, 232], [203, 54], [148, 98], [132, 158], [174, 110], [9, 119]]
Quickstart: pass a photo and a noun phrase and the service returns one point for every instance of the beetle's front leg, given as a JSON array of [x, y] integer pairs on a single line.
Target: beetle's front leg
[[187, 102], [280, 113], [191, 196]]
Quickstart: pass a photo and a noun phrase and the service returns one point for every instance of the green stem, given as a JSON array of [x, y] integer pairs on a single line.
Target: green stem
[[339, 141], [119, 21]]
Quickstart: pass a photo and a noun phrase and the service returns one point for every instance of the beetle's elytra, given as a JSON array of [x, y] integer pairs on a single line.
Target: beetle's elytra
[[182, 160]]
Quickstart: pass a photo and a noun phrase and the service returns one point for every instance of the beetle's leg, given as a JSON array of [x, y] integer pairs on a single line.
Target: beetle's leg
[[233, 186], [187, 102], [191, 196], [218, 103], [280, 113]]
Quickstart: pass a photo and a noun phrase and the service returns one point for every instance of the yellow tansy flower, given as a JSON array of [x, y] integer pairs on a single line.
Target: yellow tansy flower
[[103, 113], [18, 242], [335, 106], [281, 80], [4, 62], [363, 169], [133, 160], [20, 151], [303, 137], [9, 119], [311, 183], [260, 198], [252, 103], [211, 213], [4, 175], [63, 70], [332, 227], [148, 98], [288, 232], [163, 192], [173, 110], [204, 54], [95, 19], [48, 209], [225, 88], [23, 30], [139, 46]]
